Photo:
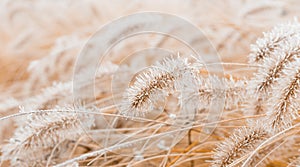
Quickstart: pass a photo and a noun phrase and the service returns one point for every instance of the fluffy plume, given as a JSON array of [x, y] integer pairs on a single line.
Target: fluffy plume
[[43, 131], [284, 105], [265, 80], [203, 89], [271, 40], [152, 85], [241, 142]]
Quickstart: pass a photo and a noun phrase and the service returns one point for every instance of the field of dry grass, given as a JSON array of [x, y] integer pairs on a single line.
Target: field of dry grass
[[151, 101]]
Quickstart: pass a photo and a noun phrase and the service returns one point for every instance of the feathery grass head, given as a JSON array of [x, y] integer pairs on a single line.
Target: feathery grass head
[[242, 141], [203, 89], [153, 84], [273, 65], [43, 131], [271, 40], [284, 105]]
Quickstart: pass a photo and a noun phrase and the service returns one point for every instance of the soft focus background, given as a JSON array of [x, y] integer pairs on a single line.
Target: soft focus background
[[45, 31]]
